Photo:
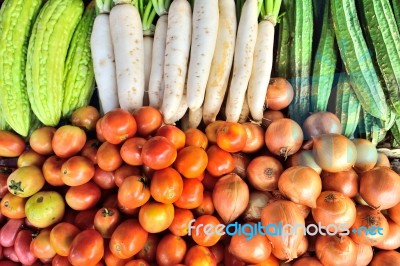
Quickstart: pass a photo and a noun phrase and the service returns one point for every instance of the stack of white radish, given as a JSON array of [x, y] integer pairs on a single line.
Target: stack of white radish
[[199, 57]]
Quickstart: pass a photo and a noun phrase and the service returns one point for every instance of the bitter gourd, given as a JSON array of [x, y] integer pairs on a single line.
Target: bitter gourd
[[47, 52], [395, 130], [79, 75], [16, 21], [396, 11]]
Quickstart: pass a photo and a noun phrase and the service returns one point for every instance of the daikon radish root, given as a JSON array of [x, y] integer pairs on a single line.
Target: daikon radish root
[[245, 113], [195, 117], [180, 112]]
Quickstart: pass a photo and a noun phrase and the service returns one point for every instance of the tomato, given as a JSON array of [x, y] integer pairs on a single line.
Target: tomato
[[45, 208], [106, 220], [85, 117], [25, 181], [111, 259], [174, 134], [133, 192], [85, 219], [61, 236], [90, 149], [128, 239], [124, 171], [118, 125], [111, 201], [206, 206], [77, 171], [30, 157], [148, 252], [171, 250], [158, 153], [68, 141], [108, 157], [137, 263], [41, 246], [148, 119], [180, 223], [255, 137], [60, 261], [13, 206], [231, 137], [205, 237], [212, 129], [196, 137], [11, 144], [99, 131], [192, 194], [131, 212], [199, 256], [104, 179], [52, 170], [166, 185], [218, 251], [191, 161], [131, 151], [155, 217], [230, 260], [147, 171], [83, 197], [87, 248], [220, 162]]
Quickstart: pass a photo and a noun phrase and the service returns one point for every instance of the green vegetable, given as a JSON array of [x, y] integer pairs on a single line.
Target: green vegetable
[[79, 74], [370, 129], [282, 55], [357, 59], [3, 122], [396, 11], [47, 52], [16, 20], [395, 130], [324, 65]]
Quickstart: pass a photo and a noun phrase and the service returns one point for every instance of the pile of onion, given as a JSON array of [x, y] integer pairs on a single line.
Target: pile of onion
[[345, 182], [386, 257], [336, 250], [367, 155], [321, 123], [263, 173], [258, 200], [304, 158]]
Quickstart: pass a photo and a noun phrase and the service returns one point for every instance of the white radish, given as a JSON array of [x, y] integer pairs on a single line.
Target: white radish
[[261, 73], [104, 64], [204, 37], [180, 112], [244, 114], [148, 53], [195, 117], [243, 59], [127, 37], [184, 122], [222, 61], [176, 56], [157, 62]]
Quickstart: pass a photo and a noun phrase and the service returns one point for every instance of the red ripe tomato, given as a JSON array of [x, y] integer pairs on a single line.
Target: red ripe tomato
[[90, 150], [192, 194], [148, 119], [255, 137], [166, 185], [131, 151], [158, 153], [87, 248], [231, 137], [133, 192], [99, 131], [202, 235], [180, 223], [124, 171], [83, 197], [212, 129], [171, 250], [148, 252], [41, 246], [52, 170], [104, 179], [173, 134], [155, 217], [40, 140], [118, 125], [11, 144], [106, 220], [196, 137], [206, 206], [108, 157], [68, 141], [138, 262], [199, 256], [218, 251], [85, 219], [61, 237], [191, 161], [77, 171], [128, 239], [220, 162], [111, 259]]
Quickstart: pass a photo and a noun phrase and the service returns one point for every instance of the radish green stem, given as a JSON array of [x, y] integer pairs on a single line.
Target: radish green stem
[[161, 6], [103, 6], [270, 10], [148, 18]]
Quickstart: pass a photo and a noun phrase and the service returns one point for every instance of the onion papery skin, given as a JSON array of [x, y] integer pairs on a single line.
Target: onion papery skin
[[394, 213], [263, 173], [364, 254], [383, 160], [346, 182], [336, 250], [386, 258], [257, 201], [392, 239], [307, 261], [321, 123], [304, 158], [367, 155]]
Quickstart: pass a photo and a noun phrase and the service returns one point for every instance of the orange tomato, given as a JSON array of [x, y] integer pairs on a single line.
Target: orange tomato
[[117, 126], [41, 246], [12, 206], [180, 223], [108, 157], [201, 235], [171, 250], [192, 194], [220, 162], [175, 135], [68, 140], [196, 137], [77, 171], [155, 217], [231, 137], [61, 236], [166, 185], [133, 192], [199, 256], [191, 161]]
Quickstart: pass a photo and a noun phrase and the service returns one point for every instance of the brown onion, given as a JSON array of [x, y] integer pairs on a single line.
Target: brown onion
[[254, 250], [360, 200], [386, 258], [364, 254], [307, 261], [277, 195], [334, 153], [383, 160], [284, 137], [257, 201], [270, 116], [321, 123], [279, 94], [366, 217], [367, 155], [345, 182], [301, 185], [305, 210], [305, 158], [263, 173], [392, 239], [301, 249], [380, 187], [336, 250], [334, 208], [255, 137], [241, 161], [286, 213], [394, 213], [230, 197]]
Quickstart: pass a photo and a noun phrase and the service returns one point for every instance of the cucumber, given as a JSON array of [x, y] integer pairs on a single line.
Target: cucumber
[[16, 21], [301, 59], [357, 59], [396, 11], [47, 52], [324, 65], [347, 107], [79, 74], [384, 37], [282, 54]]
